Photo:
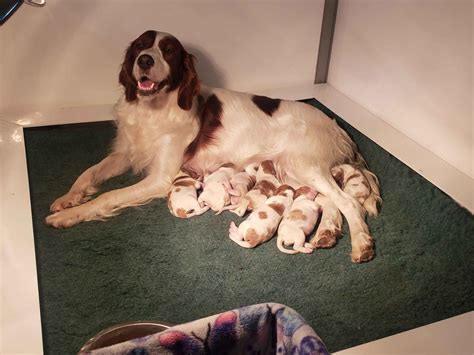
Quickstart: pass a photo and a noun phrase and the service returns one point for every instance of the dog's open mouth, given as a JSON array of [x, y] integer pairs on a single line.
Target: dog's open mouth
[[146, 86]]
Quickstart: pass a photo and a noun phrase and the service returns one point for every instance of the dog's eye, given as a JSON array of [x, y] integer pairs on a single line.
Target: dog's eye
[[169, 50]]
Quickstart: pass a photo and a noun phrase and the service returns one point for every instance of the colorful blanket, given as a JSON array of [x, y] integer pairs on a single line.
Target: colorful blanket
[[259, 329]]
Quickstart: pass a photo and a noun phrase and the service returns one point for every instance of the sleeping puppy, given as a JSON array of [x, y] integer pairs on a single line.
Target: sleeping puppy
[[265, 187], [217, 188], [182, 197], [262, 223], [299, 222]]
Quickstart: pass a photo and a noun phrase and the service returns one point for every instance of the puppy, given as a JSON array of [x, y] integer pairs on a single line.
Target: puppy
[[217, 188], [265, 187], [262, 223], [242, 182], [182, 197], [359, 183], [299, 222]]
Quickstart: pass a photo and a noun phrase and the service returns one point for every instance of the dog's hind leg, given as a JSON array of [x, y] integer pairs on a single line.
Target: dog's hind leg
[[353, 211], [329, 228]]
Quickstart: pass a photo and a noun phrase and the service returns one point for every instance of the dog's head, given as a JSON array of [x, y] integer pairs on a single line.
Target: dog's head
[[155, 64]]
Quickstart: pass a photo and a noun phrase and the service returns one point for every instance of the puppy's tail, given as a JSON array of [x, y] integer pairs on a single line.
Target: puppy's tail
[[282, 248]]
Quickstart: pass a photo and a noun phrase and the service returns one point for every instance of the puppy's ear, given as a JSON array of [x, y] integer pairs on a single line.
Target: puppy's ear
[[189, 86], [126, 75]]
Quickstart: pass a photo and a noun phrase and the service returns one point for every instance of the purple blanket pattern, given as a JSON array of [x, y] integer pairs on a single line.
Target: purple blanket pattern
[[269, 328]]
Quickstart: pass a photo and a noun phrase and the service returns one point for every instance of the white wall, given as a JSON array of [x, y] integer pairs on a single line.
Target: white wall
[[410, 62], [68, 53]]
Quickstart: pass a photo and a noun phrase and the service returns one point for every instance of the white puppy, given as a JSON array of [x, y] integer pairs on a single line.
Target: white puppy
[[299, 222], [182, 197], [261, 224], [242, 183], [217, 188]]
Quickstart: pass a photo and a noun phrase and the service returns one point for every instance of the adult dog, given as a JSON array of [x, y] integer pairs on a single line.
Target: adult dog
[[166, 120]]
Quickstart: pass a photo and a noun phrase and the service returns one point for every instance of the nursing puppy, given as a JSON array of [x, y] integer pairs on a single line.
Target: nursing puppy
[[356, 183], [217, 188], [242, 183], [265, 187], [262, 223], [182, 198], [299, 222]]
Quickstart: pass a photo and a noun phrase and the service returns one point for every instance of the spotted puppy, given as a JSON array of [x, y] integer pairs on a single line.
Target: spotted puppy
[[265, 187], [299, 222], [262, 223], [182, 197], [217, 188], [358, 183]]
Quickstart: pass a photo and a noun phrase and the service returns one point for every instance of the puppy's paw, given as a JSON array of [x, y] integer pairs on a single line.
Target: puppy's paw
[[362, 248], [69, 200], [65, 219], [325, 238]]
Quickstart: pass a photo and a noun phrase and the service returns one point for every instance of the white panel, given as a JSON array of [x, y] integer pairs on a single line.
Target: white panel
[[20, 324], [68, 53], [451, 336], [410, 62]]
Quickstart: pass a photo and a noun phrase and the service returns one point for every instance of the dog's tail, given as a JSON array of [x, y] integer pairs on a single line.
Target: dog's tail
[[282, 248]]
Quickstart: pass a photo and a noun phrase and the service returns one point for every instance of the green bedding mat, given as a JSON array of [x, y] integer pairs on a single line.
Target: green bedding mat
[[148, 265]]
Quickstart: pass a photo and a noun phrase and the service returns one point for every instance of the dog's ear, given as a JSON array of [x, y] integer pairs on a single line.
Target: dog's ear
[[126, 75], [189, 86]]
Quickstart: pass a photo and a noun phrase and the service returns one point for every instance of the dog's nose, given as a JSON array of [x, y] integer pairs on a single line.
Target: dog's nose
[[145, 61]]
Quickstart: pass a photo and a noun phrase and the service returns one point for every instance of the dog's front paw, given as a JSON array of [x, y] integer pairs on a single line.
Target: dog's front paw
[[362, 248], [65, 219], [69, 200]]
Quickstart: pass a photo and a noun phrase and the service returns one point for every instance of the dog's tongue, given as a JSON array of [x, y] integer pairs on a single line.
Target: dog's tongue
[[146, 85]]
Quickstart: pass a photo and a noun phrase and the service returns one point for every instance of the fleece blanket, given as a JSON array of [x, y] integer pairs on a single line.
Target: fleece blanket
[[259, 329]]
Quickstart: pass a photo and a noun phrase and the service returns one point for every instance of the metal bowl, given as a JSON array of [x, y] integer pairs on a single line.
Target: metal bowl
[[123, 332]]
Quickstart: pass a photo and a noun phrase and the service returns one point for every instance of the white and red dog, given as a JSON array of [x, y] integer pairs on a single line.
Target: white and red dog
[[166, 120]]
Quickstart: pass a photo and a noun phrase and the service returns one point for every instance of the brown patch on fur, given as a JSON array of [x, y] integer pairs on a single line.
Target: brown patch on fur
[[182, 177], [210, 120], [277, 207], [326, 239], [366, 184], [252, 237], [266, 104], [126, 78], [178, 189], [227, 165], [353, 176], [302, 191], [262, 215], [190, 172], [184, 183], [251, 182], [268, 167], [181, 212], [182, 74], [297, 215], [265, 188], [282, 190], [339, 178]]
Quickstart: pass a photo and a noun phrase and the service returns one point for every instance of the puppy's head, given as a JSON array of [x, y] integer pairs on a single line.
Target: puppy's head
[[155, 64]]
